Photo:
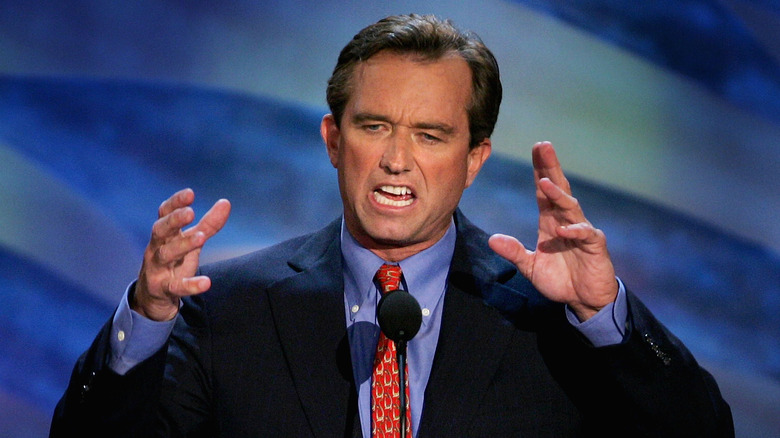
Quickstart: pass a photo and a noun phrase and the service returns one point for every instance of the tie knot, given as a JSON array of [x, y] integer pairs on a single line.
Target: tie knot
[[389, 277]]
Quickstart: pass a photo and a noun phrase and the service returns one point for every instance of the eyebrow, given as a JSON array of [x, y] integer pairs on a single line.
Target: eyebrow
[[367, 117]]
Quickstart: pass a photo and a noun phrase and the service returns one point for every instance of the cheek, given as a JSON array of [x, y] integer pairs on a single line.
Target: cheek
[[455, 172], [447, 181], [356, 168]]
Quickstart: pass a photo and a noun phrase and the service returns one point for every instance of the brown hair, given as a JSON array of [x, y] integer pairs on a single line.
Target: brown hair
[[429, 38]]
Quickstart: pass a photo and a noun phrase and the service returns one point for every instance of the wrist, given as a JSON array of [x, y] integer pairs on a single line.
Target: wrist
[[583, 312], [152, 308]]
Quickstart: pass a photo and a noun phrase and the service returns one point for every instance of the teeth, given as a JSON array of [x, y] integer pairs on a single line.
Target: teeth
[[397, 190], [387, 201]]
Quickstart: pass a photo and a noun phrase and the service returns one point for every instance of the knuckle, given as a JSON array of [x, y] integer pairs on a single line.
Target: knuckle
[[150, 258], [173, 288], [156, 228], [160, 255], [157, 237], [170, 219]]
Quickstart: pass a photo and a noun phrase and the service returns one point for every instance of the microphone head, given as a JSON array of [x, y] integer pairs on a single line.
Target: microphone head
[[399, 315]]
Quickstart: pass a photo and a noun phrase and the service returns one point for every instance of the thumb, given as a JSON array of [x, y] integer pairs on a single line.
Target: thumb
[[511, 249]]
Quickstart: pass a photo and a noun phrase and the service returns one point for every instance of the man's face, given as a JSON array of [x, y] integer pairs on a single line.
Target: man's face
[[402, 151]]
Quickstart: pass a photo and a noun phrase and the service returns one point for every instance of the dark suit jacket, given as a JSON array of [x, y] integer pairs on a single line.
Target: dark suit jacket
[[265, 353]]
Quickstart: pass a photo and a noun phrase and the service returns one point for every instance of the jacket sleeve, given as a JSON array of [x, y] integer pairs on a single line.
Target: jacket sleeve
[[165, 395], [99, 402], [650, 385]]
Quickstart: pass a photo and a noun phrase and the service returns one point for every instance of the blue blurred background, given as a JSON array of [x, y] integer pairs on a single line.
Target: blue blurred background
[[665, 114]]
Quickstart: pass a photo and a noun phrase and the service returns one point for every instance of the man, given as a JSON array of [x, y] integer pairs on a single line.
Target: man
[[513, 342]]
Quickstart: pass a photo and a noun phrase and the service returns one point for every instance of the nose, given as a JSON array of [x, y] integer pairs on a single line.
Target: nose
[[397, 156]]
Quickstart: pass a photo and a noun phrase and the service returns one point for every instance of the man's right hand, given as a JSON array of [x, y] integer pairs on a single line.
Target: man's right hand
[[171, 259]]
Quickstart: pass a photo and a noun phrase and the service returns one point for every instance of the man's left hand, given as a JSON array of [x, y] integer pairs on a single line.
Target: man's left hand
[[571, 263]]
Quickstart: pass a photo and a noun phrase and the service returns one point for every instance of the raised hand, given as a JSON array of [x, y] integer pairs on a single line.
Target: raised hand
[[571, 263], [171, 258]]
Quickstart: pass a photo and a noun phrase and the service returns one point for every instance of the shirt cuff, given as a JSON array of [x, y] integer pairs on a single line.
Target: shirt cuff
[[135, 338], [608, 326]]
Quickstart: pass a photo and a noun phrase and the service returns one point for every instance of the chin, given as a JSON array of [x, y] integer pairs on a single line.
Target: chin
[[388, 235], [388, 232], [390, 239]]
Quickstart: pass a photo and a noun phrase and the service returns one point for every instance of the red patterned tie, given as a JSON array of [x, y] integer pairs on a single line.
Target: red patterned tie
[[385, 402]]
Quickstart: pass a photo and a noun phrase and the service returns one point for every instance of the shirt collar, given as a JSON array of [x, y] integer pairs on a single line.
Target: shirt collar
[[425, 273]]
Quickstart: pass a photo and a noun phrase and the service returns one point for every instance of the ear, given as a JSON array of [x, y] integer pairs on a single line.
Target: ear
[[331, 135], [476, 158]]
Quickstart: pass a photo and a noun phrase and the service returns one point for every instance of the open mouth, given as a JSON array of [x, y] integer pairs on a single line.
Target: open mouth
[[394, 196]]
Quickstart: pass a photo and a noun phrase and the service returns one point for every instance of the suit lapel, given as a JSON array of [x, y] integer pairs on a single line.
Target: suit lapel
[[308, 309], [474, 334]]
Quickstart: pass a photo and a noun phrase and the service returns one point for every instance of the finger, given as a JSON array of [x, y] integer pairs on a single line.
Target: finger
[[585, 233], [178, 245], [546, 165], [191, 286], [511, 249], [182, 198], [171, 224], [213, 220], [568, 206], [177, 248], [165, 306]]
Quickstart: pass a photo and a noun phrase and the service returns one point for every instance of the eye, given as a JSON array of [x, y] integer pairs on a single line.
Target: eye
[[430, 139], [374, 127]]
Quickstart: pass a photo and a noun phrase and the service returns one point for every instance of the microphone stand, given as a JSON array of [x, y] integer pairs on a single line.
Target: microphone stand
[[400, 358], [399, 317]]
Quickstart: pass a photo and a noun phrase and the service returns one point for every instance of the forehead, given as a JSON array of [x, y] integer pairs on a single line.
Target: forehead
[[406, 82]]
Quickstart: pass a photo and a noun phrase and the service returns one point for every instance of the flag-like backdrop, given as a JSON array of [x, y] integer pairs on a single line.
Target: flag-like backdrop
[[665, 114]]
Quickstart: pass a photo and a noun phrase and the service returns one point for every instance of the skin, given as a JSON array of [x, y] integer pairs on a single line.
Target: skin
[[172, 256], [404, 127]]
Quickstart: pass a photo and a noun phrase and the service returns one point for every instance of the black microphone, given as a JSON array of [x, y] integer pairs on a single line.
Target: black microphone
[[399, 316]]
